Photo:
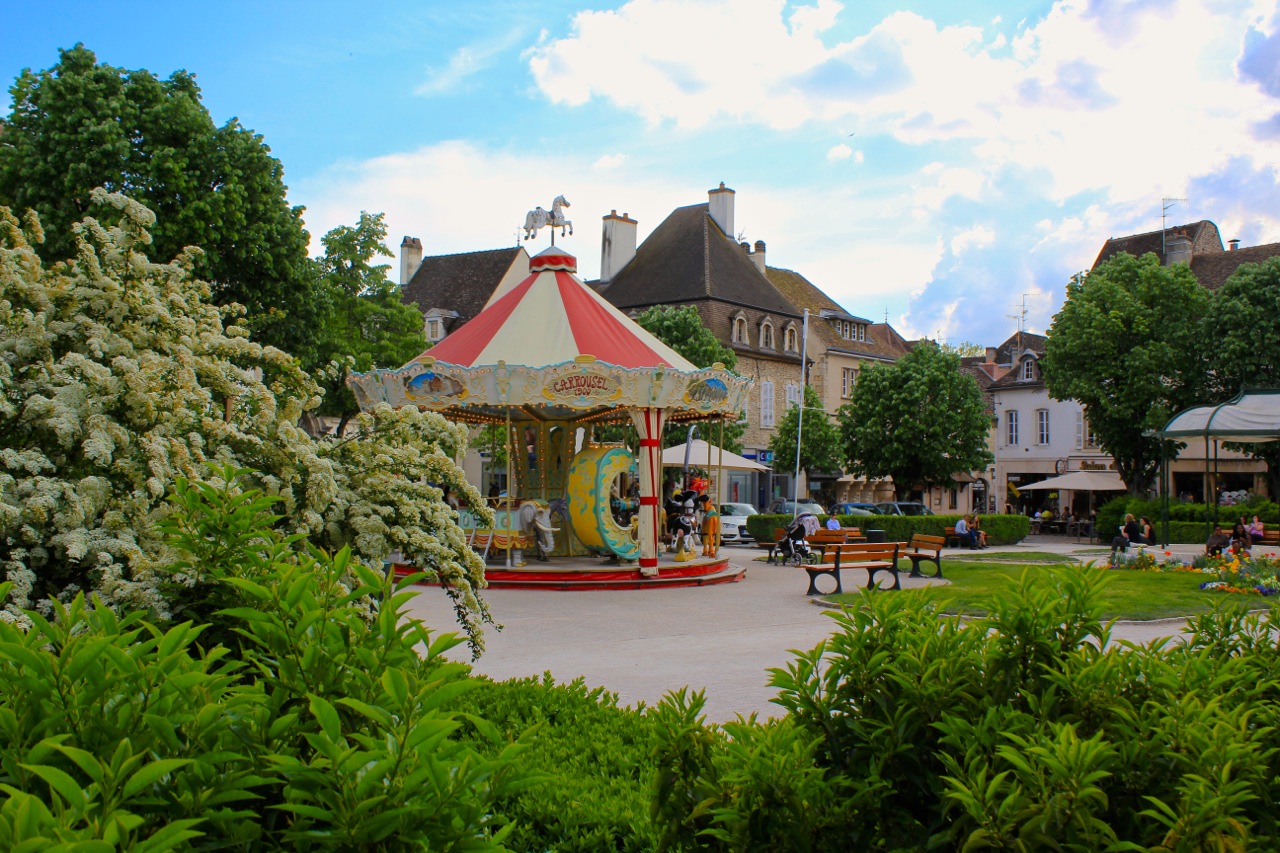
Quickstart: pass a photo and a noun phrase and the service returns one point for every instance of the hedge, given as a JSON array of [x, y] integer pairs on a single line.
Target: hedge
[[1000, 529]]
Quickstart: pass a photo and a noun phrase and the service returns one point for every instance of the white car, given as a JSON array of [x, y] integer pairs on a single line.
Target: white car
[[733, 522]]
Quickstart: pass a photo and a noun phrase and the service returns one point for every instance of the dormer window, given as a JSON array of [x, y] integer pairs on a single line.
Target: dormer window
[[790, 340], [766, 335], [850, 330], [435, 330], [740, 330], [1028, 369]]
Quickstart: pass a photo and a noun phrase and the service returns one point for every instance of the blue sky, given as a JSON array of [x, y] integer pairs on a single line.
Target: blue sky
[[937, 162]]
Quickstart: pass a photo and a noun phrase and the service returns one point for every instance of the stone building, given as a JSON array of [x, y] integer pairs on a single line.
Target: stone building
[[451, 289], [691, 258]]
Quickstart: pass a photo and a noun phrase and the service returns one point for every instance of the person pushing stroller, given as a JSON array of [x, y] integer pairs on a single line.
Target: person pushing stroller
[[793, 547]]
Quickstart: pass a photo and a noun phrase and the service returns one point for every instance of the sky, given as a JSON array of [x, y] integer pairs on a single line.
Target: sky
[[937, 163]]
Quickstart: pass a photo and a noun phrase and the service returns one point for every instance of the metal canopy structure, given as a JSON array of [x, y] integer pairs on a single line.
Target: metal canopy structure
[[551, 349], [1251, 417]]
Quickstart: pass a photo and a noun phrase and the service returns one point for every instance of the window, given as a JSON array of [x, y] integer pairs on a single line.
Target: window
[[862, 332], [740, 331], [766, 336], [954, 499], [766, 405], [433, 330], [790, 338], [1028, 368], [793, 394], [1011, 426], [848, 376], [1085, 437], [1042, 426]]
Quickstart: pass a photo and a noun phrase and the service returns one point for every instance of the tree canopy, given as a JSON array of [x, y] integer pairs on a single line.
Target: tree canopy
[[117, 377], [82, 124], [918, 420], [1128, 345], [819, 439], [368, 325]]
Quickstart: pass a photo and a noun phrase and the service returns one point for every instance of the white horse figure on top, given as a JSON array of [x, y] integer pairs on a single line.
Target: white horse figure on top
[[539, 217]]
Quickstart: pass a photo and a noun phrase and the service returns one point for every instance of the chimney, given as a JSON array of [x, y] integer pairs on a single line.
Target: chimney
[[758, 255], [991, 355], [410, 258], [1234, 244], [1177, 249], [720, 204], [617, 244]]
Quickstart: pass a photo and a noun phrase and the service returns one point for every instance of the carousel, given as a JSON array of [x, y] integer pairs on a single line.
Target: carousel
[[552, 365]]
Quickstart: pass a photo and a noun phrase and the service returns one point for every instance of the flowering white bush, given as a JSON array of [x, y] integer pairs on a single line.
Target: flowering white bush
[[117, 375]]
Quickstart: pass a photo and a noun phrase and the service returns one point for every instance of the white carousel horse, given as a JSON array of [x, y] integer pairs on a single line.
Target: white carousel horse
[[538, 217]]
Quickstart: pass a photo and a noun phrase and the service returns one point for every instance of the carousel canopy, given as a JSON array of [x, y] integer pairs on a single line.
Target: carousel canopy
[[1252, 417], [554, 349]]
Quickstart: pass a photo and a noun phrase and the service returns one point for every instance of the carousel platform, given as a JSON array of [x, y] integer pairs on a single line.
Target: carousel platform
[[592, 573]]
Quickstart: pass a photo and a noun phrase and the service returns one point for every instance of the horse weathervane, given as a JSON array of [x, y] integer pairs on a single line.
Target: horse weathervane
[[539, 217]]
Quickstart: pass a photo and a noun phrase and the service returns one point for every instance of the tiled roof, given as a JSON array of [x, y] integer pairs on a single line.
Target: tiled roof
[[1203, 234], [1212, 270], [688, 258], [882, 341], [461, 283], [1018, 343]]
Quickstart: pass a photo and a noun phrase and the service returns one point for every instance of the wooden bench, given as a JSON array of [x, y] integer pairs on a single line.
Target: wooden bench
[[925, 549], [779, 533], [1270, 537], [952, 536], [874, 557]]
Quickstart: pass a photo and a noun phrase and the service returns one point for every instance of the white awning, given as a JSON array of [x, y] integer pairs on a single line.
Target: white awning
[[673, 457], [1080, 481]]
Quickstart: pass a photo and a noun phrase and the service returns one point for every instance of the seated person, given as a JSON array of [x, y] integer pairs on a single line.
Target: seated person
[[833, 523], [1132, 531], [1256, 531], [1218, 540], [979, 535], [1240, 540], [963, 533]]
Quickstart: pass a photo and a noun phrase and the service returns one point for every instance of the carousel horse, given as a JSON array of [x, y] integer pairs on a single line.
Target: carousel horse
[[538, 217]]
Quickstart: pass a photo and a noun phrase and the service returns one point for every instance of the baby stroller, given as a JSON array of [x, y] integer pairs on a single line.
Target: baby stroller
[[793, 548]]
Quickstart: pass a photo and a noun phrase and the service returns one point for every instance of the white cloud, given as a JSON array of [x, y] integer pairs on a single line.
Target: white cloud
[[466, 62], [859, 157], [977, 237], [609, 161], [840, 152], [1157, 106]]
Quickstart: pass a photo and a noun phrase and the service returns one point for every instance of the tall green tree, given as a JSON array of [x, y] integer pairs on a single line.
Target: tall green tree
[[682, 329], [1245, 329], [1128, 345], [83, 124], [819, 437], [368, 325], [918, 420]]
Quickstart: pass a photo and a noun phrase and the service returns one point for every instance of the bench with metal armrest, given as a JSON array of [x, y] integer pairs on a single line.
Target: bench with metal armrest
[[925, 549], [874, 557]]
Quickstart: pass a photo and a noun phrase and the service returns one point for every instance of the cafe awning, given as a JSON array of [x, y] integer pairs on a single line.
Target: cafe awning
[[1080, 481]]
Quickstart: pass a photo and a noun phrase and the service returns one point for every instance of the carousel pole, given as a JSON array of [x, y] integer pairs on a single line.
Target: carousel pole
[[510, 481], [648, 422]]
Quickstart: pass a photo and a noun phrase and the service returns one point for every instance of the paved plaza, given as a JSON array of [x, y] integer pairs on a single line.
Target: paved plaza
[[721, 639]]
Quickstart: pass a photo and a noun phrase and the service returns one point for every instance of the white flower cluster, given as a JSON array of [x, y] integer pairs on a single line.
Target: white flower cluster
[[117, 375]]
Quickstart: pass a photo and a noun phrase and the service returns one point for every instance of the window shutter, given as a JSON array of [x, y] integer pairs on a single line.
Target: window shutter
[[766, 405]]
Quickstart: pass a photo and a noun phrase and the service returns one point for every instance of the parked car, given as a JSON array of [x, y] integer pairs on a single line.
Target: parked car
[[785, 507], [733, 522], [854, 509], [903, 508]]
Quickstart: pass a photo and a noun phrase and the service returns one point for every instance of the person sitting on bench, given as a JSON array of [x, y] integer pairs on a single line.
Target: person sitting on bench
[[964, 533], [1218, 540]]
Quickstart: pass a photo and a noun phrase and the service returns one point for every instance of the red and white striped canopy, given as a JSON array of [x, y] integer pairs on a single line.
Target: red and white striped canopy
[[552, 317]]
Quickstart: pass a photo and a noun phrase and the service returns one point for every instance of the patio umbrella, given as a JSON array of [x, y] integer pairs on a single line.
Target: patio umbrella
[[1080, 481]]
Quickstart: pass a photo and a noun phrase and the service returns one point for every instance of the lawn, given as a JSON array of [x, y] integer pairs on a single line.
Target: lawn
[[1127, 595]]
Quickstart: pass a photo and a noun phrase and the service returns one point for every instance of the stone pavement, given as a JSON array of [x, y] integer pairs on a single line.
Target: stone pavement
[[722, 639]]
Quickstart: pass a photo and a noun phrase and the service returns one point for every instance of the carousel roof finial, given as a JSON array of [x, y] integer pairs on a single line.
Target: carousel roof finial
[[538, 217]]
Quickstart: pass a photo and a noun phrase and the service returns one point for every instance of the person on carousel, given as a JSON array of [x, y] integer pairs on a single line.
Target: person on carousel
[[710, 527]]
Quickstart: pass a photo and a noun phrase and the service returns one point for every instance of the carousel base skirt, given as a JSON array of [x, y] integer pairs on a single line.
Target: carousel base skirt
[[586, 573]]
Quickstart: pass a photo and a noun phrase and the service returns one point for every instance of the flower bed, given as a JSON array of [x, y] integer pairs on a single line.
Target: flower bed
[[1232, 572]]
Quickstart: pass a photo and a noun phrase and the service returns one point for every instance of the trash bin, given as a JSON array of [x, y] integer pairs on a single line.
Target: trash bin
[[876, 536]]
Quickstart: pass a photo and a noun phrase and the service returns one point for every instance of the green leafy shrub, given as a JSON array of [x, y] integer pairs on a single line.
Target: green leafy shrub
[[1001, 529], [1026, 730], [331, 728], [595, 762]]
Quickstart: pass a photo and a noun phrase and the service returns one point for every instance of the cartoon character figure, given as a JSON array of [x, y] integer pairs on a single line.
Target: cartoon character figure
[[710, 527], [680, 523]]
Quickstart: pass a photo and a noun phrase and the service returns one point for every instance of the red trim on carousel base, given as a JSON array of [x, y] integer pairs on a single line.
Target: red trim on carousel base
[[592, 574]]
